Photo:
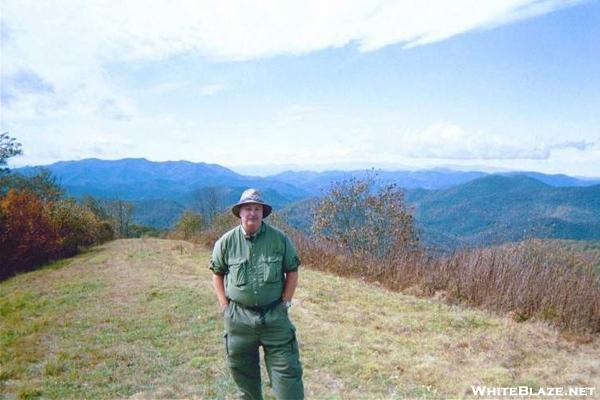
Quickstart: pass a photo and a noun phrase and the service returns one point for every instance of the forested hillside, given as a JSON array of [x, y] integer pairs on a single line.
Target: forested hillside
[[498, 209]]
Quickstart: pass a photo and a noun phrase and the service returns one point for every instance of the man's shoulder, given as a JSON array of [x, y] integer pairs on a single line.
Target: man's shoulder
[[273, 231], [229, 235]]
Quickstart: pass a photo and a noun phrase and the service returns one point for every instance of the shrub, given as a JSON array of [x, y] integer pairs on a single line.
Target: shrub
[[27, 237], [189, 224], [530, 279], [76, 226], [369, 224], [33, 232], [138, 231]]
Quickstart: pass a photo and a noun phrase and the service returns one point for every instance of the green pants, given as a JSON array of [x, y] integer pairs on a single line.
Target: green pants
[[245, 331]]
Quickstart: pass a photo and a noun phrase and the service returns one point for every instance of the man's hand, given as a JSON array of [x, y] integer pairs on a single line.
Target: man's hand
[[223, 307], [219, 286], [291, 281]]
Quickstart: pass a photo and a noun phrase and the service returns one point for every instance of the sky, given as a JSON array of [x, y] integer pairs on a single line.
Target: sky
[[272, 85]]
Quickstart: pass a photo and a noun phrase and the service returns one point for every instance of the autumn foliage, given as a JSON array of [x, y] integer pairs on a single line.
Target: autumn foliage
[[27, 236], [37, 223], [33, 231]]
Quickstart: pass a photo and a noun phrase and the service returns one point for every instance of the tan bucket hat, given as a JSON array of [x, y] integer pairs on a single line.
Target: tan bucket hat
[[251, 196]]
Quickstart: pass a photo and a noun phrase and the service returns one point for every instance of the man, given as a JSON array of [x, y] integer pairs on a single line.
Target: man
[[255, 274]]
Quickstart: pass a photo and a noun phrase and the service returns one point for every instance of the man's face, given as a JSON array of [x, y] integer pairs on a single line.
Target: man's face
[[251, 215]]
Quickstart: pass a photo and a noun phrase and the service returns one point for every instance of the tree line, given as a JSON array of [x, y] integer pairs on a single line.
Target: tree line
[[39, 223]]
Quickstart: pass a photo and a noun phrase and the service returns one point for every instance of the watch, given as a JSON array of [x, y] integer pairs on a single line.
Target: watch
[[287, 303]]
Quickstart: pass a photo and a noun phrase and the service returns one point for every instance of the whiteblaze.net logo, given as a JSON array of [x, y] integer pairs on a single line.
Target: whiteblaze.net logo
[[526, 391]]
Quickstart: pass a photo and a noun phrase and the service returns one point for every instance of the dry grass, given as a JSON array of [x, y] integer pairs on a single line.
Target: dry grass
[[531, 279], [138, 319], [131, 317], [391, 345]]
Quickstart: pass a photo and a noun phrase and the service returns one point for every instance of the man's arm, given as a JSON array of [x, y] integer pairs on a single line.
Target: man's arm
[[291, 281], [219, 286]]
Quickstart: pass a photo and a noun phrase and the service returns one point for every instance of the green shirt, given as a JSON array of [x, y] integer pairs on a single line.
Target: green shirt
[[254, 268]]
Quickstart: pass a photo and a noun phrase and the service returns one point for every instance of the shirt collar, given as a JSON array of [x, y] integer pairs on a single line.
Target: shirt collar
[[258, 232]]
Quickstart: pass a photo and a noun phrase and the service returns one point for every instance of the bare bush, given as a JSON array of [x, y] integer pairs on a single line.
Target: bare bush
[[369, 223], [189, 225]]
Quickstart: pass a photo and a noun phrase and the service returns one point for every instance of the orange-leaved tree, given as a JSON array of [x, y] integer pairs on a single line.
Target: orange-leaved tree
[[27, 235]]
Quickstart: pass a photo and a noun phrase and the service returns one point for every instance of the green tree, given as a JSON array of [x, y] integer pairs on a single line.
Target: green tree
[[9, 147], [189, 224], [43, 184], [366, 221]]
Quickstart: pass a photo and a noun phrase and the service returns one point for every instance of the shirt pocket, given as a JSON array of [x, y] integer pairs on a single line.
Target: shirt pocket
[[238, 272], [273, 269]]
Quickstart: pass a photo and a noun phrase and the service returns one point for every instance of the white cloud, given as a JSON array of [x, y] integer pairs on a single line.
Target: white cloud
[[56, 39], [425, 22], [162, 88], [67, 44], [65, 47], [243, 30], [211, 89], [448, 141]]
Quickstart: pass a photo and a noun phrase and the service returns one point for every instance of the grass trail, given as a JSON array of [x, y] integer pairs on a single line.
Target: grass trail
[[138, 319]]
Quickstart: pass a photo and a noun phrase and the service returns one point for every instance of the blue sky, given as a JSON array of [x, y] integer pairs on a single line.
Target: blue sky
[[272, 85]]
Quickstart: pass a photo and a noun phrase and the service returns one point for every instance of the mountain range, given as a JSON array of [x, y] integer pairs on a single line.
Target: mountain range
[[496, 209], [451, 208]]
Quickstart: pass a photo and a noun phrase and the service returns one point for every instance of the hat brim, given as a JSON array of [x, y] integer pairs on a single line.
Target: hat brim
[[266, 208]]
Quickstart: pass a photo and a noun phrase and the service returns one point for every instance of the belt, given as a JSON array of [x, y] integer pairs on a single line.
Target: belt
[[261, 309]]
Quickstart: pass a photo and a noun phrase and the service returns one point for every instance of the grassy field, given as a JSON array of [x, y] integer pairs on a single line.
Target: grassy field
[[138, 319]]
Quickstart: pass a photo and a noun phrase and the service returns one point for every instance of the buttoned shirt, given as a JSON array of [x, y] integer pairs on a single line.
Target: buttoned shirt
[[254, 266]]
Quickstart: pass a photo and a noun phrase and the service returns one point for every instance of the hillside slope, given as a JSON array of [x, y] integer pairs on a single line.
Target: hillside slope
[[137, 319], [497, 209]]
